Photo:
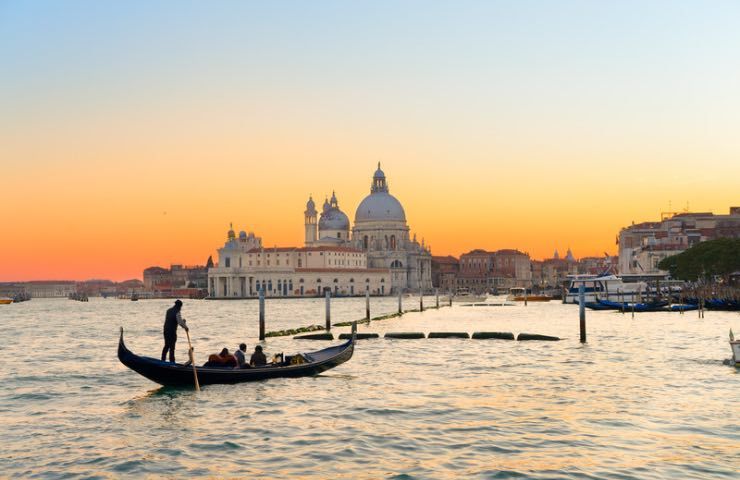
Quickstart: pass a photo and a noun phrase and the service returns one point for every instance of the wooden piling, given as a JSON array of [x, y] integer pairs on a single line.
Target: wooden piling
[[582, 310], [436, 294], [367, 304], [400, 301], [328, 310], [525, 296], [262, 314], [421, 299]]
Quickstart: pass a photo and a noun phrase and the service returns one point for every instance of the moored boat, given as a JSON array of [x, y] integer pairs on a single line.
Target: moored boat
[[179, 375], [464, 295], [520, 294], [735, 345], [634, 306], [605, 287]]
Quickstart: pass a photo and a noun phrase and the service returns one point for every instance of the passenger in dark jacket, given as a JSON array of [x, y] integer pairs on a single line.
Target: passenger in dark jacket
[[258, 358], [171, 320]]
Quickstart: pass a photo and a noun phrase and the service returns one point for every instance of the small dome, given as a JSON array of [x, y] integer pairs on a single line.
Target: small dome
[[310, 205], [242, 235], [333, 219], [379, 173], [380, 206]]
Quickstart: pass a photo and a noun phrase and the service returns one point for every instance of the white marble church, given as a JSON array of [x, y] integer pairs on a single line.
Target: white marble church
[[375, 255], [380, 231]]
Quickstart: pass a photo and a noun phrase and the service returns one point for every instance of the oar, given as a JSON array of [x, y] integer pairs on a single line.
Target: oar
[[192, 361]]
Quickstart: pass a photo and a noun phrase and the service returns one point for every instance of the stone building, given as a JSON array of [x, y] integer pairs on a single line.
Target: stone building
[[642, 246]]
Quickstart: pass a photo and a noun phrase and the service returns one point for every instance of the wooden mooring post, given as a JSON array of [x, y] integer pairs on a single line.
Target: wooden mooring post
[[400, 301], [421, 299], [262, 314], [436, 294], [328, 311], [582, 311], [367, 304]]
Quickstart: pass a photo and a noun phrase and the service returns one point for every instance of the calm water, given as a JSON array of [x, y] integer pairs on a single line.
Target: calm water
[[647, 397]]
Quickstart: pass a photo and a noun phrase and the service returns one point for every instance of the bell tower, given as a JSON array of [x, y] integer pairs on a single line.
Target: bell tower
[[310, 220]]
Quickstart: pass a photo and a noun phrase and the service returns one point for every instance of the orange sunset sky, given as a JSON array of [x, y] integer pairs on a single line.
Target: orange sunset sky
[[132, 134]]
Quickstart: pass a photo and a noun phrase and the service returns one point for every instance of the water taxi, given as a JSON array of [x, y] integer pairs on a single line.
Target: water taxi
[[520, 294], [604, 287], [5, 301]]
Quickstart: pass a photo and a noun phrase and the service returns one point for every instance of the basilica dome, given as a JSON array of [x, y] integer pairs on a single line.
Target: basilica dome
[[333, 219], [380, 205]]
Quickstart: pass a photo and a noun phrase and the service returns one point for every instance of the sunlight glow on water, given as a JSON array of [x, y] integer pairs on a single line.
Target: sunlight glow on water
[[647, 397]]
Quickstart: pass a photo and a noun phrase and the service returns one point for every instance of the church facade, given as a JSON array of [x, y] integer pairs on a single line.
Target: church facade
[[375, 255], [380, 231]]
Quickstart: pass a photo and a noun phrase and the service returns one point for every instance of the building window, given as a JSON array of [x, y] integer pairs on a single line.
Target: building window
[[339, 234], [227, 260], [300, 281], [364, 242]]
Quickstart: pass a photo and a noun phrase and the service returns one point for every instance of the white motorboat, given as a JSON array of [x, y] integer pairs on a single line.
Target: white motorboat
[[604, 287]]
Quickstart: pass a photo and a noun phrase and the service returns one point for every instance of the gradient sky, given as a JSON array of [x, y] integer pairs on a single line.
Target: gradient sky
[[132, 133]]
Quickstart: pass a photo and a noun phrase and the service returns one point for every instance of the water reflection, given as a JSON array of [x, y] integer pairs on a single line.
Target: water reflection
[[644, 398]]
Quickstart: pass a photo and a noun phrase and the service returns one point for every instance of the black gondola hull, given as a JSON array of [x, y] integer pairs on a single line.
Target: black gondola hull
[[179, 375]]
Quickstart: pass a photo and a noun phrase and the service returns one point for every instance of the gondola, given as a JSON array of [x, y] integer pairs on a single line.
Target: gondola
[[180, 375], [655, 306]]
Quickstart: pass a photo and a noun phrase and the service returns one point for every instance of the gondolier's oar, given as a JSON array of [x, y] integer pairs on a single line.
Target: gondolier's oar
[[192, 361]]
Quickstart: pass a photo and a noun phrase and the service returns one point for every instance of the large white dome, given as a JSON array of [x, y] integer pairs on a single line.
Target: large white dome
[[380, 206]]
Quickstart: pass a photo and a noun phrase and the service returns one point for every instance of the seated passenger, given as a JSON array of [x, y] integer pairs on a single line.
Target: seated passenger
[[223, 359], [241, 356], [258, 358]]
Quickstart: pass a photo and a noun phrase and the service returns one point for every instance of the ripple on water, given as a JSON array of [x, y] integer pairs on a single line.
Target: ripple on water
[[645, 398]]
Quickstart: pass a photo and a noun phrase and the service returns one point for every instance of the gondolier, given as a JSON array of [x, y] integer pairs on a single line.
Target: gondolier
[[171, 320]]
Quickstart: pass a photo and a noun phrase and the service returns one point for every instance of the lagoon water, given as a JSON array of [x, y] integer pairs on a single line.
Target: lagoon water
[[647, 397]]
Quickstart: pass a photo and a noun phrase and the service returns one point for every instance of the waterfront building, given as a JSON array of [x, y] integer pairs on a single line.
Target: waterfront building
[[177, 276], [294, 272], [444, 273], [642, 246], [50, 288], [483, 271]]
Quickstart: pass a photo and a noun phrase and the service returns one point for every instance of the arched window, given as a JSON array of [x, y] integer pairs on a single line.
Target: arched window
[[364, 242], [396, 264], [318, 280], [300, 281], [382, 280], [339, 234], [386, 242], [393, 242], [336, 281], [367, 280], [351, 280]]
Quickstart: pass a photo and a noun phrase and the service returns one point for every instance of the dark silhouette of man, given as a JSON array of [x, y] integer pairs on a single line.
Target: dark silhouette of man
[[171, 320]]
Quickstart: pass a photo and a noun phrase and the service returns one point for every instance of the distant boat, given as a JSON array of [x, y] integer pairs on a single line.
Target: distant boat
[[5, 301], [735, 345], [519, 294], [134, 297], [464, 295]]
